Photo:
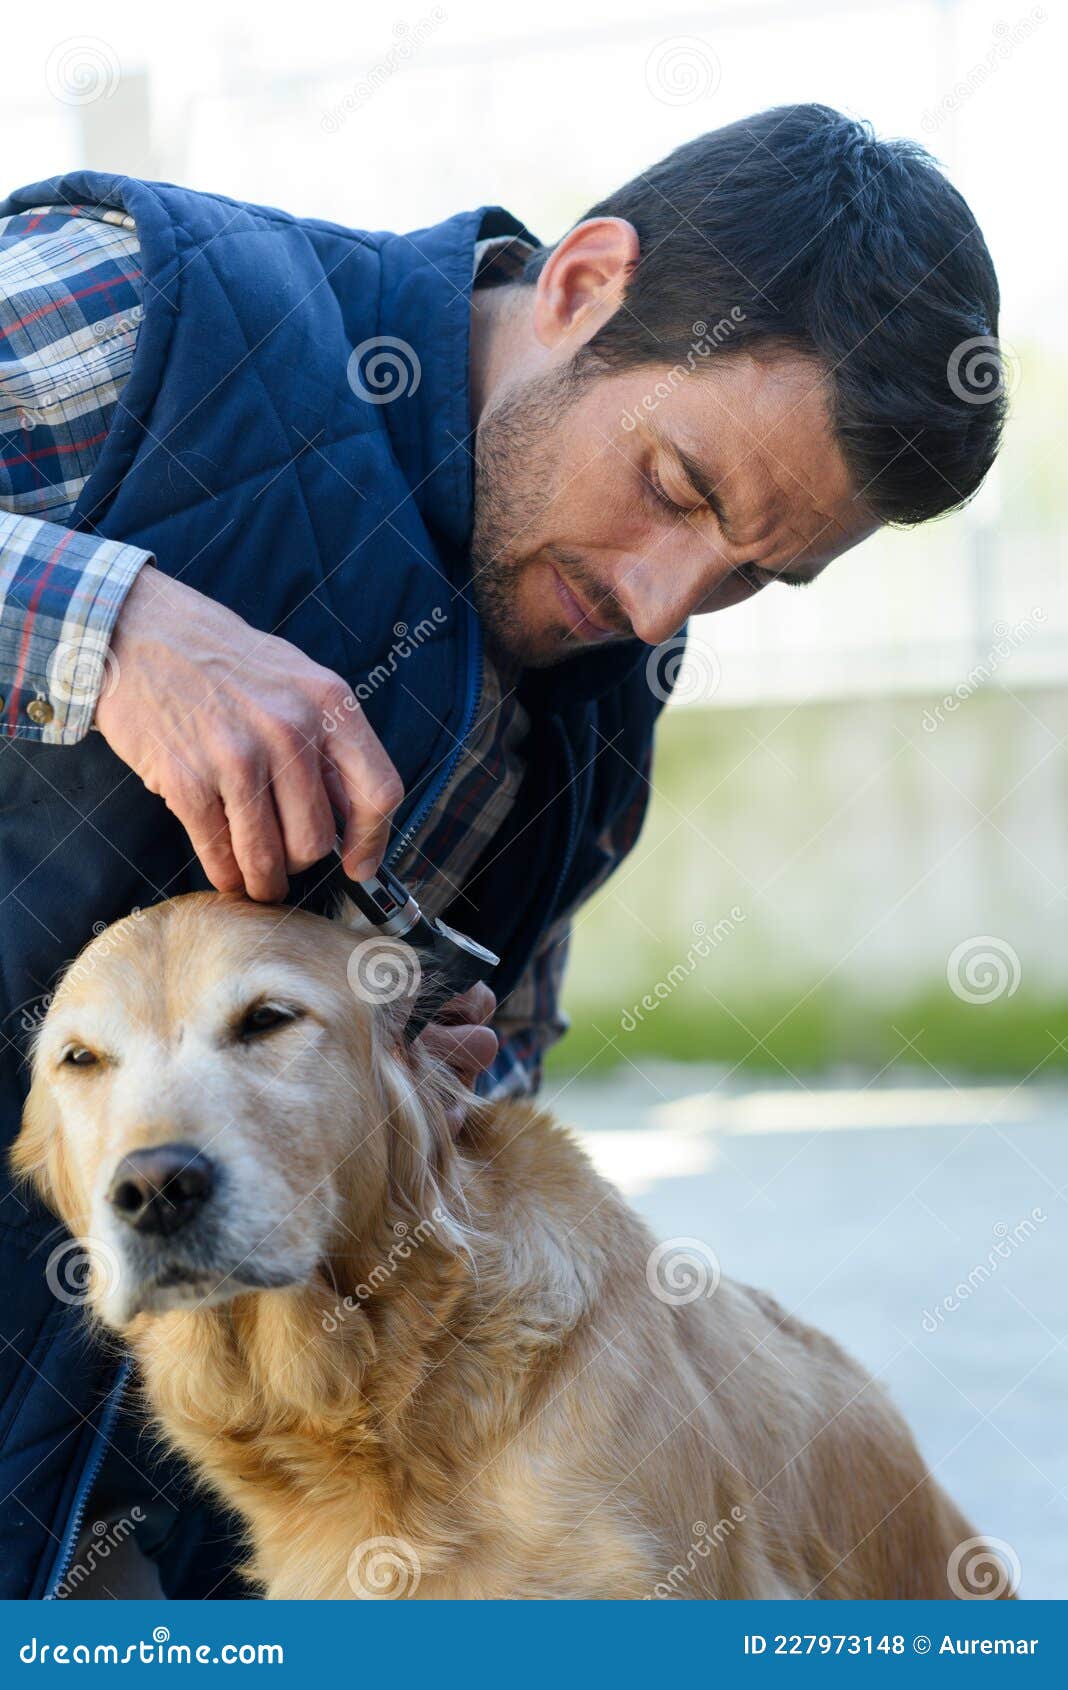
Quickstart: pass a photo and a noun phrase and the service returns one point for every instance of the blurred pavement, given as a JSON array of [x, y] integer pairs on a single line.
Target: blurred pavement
[[922, 1225]]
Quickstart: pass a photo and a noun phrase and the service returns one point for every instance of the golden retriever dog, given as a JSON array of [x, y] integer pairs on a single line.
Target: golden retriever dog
[[424, 1365]]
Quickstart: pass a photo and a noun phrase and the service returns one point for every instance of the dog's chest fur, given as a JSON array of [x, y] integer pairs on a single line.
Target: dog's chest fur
[[437, 1416]]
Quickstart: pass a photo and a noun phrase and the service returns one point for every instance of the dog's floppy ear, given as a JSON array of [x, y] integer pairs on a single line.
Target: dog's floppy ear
[[393, 978], [396, 979], [389, 977], [403, 985], [38, 1155], [418, 1093]]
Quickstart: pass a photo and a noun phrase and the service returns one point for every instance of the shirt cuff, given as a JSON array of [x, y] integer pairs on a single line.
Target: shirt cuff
[[61, 591], [516, 1070], [509, 1076]]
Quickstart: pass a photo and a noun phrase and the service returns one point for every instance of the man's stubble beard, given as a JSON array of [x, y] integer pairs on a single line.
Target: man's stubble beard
[[516, 470]]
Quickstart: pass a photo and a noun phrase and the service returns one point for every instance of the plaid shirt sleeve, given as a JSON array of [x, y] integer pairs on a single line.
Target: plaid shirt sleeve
[[60, 593], [530, 1020], [70, 309]]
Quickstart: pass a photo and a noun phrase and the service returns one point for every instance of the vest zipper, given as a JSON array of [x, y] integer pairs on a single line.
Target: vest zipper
[[94, 1462], [475, 680]]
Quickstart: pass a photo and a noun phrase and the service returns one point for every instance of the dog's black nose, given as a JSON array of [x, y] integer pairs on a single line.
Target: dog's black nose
[[161, 1189]]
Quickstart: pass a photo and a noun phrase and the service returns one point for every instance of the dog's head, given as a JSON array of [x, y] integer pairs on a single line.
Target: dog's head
[[221, 1097]]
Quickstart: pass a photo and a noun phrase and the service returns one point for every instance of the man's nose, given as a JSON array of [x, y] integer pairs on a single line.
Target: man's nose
[[161, 1189], [659, 591]]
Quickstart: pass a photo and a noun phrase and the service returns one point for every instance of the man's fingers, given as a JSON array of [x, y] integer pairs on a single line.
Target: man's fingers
[[204, 820], [303, 809], [271, 717], [336, 794], [458, 1035], [372, 790], [476, 1005], [364, 841], [466, 1050], [256, 840]]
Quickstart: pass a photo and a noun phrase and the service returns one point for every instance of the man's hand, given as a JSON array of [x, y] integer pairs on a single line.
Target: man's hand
[[233, 729], [461, 1039]]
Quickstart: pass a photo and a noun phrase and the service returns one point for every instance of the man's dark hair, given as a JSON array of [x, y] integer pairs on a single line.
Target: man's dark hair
[[852, 251]]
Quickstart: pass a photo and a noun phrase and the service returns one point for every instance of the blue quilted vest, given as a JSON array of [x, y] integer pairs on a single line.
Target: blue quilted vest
[[248, 462]]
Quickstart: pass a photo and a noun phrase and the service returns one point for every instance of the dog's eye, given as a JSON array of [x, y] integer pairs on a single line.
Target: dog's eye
[[264, 1018], [79, 1056]]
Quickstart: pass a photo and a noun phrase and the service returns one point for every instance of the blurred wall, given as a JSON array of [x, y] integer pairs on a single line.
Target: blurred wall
[[867, 881]]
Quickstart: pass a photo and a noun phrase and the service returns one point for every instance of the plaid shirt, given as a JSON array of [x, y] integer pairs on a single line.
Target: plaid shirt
[[70, 305]]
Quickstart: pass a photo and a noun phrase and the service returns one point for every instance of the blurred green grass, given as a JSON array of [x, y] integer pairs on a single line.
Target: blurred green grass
[[830, 1030], [860, 852]]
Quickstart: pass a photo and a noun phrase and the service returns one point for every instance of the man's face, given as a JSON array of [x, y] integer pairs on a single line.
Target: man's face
[[600, 515]]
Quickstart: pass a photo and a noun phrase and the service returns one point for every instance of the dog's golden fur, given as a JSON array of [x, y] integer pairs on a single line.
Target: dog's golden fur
[[466, 1359]]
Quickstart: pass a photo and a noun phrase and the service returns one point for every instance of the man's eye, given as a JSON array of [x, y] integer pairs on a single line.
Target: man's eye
[[79, 1056], [662, 499], [264, 1018]]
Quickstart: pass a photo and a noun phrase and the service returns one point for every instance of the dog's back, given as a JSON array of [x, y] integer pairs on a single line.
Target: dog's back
[[722, 1448]]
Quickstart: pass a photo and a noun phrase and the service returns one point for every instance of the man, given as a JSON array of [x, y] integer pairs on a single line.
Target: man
[[305, 522]]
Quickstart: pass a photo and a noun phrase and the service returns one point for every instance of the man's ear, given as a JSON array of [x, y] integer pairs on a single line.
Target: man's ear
[[583, 281]]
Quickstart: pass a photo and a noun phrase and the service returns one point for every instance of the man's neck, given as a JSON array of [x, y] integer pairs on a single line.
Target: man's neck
[[498, 328]]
